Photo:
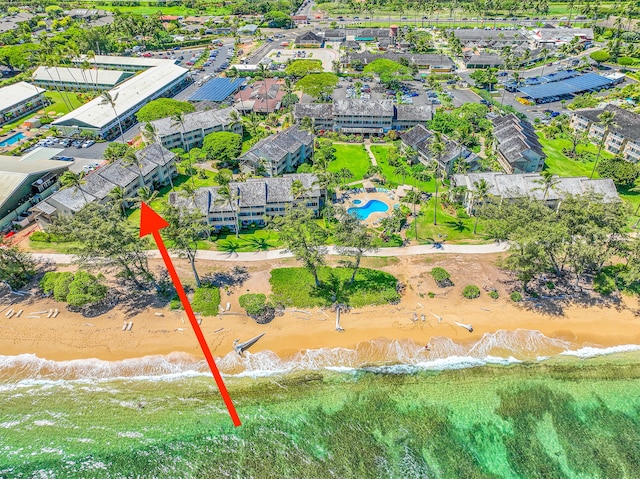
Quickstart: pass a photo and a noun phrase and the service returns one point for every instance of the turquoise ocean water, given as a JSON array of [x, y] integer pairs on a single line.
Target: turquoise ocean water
[[512, 405]]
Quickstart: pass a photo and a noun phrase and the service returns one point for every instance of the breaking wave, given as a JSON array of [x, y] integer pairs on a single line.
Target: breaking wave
[[389, 356]]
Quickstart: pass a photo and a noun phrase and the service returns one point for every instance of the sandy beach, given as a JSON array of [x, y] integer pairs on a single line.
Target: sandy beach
[[582, 322]]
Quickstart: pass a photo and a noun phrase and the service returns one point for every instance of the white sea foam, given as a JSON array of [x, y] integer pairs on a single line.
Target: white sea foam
[[591, 352], [502, 347]]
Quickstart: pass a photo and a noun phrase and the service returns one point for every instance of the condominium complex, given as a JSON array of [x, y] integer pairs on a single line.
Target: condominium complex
[[105, 118], [279, 153], [363, 116], [624, 135], [73, 79], [517, 145], [420, 140], [510, 187], [157, 167], [253, 201], [195, 126], [18, 100], [25, 181]]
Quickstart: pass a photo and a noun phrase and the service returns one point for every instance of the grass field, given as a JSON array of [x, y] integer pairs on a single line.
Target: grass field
[[380, 152], [449, 227], [178, 10], [295, 287], [58, 103], [352, 157]]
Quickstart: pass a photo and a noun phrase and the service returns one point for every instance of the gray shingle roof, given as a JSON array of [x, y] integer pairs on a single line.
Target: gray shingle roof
[[275, 147], [308, 37], [156, 153], [414, 113], [418, 58], [528, 184], [71, 198], [322, 111], [416, 135], [360, 107], [515, 136], [194, 121], [118, 174], [626, 122]]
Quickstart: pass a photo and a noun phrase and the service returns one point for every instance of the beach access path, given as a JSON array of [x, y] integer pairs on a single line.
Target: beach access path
[[416, 250]]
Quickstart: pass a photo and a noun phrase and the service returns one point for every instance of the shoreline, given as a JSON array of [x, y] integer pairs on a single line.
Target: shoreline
[[72, 336]]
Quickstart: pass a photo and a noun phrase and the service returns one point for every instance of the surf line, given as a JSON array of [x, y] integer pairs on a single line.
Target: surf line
[[151, 223]]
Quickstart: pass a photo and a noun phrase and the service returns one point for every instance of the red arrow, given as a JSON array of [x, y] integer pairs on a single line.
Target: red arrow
[[152, 222]]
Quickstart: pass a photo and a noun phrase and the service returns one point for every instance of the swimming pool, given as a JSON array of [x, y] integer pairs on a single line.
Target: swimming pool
[[12, 139], [356, 202], [372, 206]]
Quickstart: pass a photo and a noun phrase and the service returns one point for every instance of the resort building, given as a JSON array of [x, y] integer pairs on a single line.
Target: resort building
[[420, 139], [554, 37], [20, 99], [425, 61], [309, 40], [78, 78], [114, 62], [509, 187], [517, 145], [196, 126], [103, 119], [25, 182], [253, 200], [263, 96], [279, 153], [157, 167], [483, 60], [623, 137], [481, 38], [360, 116]]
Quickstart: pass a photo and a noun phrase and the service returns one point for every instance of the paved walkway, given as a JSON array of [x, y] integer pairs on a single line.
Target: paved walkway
[[279, 253], [367, 146]]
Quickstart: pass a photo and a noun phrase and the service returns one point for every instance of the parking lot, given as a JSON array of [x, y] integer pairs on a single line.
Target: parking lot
[[327, 57], [411, 93]]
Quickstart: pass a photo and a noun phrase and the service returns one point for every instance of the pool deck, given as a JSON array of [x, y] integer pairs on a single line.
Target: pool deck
[[389, 199]]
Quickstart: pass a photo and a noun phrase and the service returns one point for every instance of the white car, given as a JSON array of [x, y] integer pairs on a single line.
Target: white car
[[87, 144]]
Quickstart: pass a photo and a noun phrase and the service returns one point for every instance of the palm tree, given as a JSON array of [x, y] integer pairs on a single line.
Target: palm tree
[[189, 192], [437, 149], [298, 190], [107, 98], [227, 195], [118, 196], [234, 119], [252, 123], [480, 191], [544, 52], [145, 195], [606, 122], [71, 180], [414, 197], [401, 170], [547, 183], [131, 159], [178, 119]]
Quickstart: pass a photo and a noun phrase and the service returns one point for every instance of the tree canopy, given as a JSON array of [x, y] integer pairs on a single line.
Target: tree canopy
[[388, 71], [223, 147], [621, 171], [300, 68], [318, 85], [600, 56], [16, 267], [163, 108]]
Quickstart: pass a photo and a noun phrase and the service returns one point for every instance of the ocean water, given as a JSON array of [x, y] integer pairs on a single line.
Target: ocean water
[[512, 405]]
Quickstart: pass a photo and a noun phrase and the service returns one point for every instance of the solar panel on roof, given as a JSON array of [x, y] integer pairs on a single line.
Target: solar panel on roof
[[569, 86], [217, 89]]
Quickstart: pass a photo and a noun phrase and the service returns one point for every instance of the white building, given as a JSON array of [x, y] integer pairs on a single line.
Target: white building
[[78, 78], [104, 120], [196, 126], [18, 100], [253, 200], [26, 181]]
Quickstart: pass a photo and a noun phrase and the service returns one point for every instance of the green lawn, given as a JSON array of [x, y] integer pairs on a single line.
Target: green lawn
[[558, 163], [295, 287], [449, 227], [353, 157], [58, 103], [178, 10], [380, 152]]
